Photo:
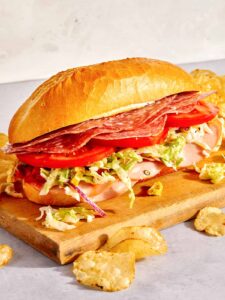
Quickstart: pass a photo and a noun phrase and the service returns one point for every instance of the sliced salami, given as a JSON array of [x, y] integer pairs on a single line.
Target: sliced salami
[[153, 128], [141, 122]]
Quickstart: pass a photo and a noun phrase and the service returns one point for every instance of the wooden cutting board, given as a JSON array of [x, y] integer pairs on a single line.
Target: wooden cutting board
[[183, 195]]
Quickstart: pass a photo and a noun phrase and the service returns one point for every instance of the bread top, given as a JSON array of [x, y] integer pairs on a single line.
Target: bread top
[[96, 91]]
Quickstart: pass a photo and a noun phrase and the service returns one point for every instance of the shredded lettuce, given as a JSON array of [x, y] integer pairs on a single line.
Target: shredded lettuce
[[72, 193], [64, 219], [51, 178], [91, 175], [120, 163], [215, 172], [170, 153]]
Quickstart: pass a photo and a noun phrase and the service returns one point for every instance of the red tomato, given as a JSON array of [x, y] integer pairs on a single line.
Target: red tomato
[[132, 142], [202, 113], [30, 174], [83, 157]]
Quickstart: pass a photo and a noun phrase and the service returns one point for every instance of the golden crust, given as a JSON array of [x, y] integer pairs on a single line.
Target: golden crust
[[84, 93]]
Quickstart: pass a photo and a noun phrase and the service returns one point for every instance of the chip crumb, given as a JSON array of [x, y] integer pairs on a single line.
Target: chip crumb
[[6, 254], [105, 270], [211, 220], [156, 189]]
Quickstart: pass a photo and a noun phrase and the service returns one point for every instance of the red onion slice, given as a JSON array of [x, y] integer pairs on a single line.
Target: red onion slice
[[86, 199]]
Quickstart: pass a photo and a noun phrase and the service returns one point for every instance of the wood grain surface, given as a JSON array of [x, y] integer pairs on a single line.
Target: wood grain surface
[[183, 195]]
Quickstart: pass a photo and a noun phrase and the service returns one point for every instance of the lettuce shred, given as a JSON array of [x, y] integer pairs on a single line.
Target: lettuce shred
[[215, 172], [64, 219], [170, 153]]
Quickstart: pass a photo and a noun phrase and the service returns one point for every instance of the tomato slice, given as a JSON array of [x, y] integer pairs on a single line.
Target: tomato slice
[[203, 112], [83, 157], [132, 142]]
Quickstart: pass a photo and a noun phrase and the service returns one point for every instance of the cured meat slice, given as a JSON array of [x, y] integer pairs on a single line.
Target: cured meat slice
[[145, 121], [67, 144], [152, 128], [70, 143]]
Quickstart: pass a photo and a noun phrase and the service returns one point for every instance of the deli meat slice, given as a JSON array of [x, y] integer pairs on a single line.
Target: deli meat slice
[[70, 143], [142, 122], [153, 128]]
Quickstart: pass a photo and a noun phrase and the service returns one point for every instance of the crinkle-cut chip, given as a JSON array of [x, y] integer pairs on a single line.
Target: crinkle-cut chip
[[140, 248], [210, 81], [105, 270], [211, 220], [6, 254], [148, 234]]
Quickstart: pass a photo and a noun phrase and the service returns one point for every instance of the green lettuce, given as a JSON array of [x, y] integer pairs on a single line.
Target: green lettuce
[[51, 178], [170, 153], [215, 172], [64, 219]]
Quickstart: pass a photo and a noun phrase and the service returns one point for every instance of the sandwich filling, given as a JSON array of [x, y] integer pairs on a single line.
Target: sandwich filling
[[99, 159]]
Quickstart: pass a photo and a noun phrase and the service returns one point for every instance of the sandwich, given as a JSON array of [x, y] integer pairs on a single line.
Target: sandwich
[[91, 133]]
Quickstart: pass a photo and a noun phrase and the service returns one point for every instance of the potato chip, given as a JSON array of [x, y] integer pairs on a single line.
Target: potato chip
[[5, 165], [7, 157], [148, 234], [3, 156], [3, 139], [105, 270], [210, 81], [8, 163], [140, 248], [6, 254], [211, 220]]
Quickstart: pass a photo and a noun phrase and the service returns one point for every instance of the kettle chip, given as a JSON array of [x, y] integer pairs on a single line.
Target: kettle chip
[[140, 248], [211, 220], [105, 270], [154, 241], [6, 254]]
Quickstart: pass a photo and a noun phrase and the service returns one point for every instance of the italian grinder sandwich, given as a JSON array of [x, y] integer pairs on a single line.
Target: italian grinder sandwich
[[91, 133]]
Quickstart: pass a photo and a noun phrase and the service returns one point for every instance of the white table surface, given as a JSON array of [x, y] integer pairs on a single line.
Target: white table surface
[[193, 268], [39, 37]]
